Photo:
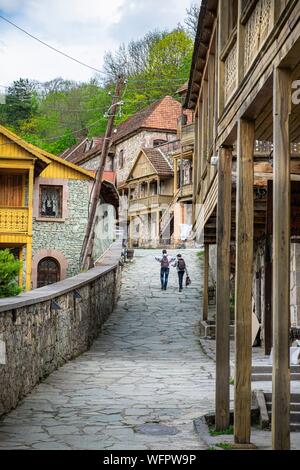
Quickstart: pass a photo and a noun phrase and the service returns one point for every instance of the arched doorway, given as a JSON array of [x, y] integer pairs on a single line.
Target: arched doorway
[[48, 272]]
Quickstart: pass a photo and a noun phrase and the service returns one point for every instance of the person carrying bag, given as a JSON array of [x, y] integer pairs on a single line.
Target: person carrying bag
[[181, 269]]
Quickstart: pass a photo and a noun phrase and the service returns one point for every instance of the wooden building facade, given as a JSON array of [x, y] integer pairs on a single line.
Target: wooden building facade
[[149, 189], [43, 210], [244, 91]]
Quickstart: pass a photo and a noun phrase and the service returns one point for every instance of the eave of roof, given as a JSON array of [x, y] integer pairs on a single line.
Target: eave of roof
[[36, 152], [203, 36], [68, 164], [156, 171]]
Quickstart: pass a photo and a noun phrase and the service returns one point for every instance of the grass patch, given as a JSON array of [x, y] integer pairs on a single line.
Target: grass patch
[[231, 381], [225, 432], [200, 254], [224, 445]]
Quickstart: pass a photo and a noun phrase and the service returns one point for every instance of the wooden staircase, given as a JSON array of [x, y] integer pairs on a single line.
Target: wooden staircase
[[263, 373], [263, 401], [167, 217], [295, 410]]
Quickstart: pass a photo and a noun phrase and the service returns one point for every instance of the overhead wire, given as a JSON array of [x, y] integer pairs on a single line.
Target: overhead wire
[[46, 139], [51, 47]]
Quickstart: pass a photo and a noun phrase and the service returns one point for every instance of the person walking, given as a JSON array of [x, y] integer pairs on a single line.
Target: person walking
[[165, 260], [181, 269]]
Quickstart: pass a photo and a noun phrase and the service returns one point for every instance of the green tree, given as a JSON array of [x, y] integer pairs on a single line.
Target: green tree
[[21, 102], [9, 270]]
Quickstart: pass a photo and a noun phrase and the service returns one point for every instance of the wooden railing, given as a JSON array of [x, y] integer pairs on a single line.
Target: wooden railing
[[148, 202], [257, 28], [13, 220], [186, 190], [230, 72], [188, 134], [166, 217], [210, 200]]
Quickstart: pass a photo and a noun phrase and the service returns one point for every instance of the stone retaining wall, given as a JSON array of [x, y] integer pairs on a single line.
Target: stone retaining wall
[[42, 329]]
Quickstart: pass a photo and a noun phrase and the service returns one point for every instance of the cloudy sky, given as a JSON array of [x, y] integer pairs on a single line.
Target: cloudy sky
[[84, 29]]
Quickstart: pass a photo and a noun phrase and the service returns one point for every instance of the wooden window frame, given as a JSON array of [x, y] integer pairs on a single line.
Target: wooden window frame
[[121, 159], [61, 195]]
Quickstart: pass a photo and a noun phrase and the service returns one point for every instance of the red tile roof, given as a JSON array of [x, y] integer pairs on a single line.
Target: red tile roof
[[162, 115], [77, 149], [85, 150], [159, 162]]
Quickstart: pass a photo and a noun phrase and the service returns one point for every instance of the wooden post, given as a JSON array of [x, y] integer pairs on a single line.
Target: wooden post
[[243, 282], [130, 231], [157, 227], [268, 273], [223, 289], [281, 260], [87, 246], [205, 282], [21, 267], [240, 44], [175, 175], [222, 38], [29, 230], [28, 264]]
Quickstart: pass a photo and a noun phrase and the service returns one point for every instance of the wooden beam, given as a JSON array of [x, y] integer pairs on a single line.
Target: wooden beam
[[223, 289], [281, 261], [29, 230], [268, 273], [240, 44], [243, 281], [205, 283]]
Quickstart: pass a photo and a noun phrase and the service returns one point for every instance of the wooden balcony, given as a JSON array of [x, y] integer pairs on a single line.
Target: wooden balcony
[[188, 134], [258, 20], [186, 191], [13, 220], [230, 72], [151, 202]]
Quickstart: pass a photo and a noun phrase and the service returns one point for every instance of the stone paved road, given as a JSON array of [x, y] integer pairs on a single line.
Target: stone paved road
[[146, 368]]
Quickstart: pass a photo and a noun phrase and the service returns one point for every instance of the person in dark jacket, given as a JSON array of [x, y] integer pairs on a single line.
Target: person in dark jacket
[[181, 269], [165, 260]]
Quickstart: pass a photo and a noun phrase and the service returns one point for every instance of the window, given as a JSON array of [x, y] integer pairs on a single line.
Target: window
[[158, 142], [48, 272], [51, 202], [121, 159]]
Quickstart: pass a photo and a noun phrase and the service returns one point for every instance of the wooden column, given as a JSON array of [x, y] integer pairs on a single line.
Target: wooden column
[[21, 266], [281, 261], [223, 289], [268, 335], [243, 281], [29, 230], [223, 12], [240, 44], [157, 226], [205, 282], [175, 175], [130, 231]]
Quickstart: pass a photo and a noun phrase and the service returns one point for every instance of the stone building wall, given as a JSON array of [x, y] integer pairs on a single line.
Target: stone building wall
[[93, 164], [66, 237], [131, 148], [36, 338]]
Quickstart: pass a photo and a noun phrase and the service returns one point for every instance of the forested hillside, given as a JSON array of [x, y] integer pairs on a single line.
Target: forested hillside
[[56, 114]]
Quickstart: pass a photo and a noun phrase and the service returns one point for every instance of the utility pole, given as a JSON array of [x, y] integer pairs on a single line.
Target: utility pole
[[88, 239]]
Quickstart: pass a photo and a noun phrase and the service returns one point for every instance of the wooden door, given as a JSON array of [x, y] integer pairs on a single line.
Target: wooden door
[[48, 272], [11, 190]]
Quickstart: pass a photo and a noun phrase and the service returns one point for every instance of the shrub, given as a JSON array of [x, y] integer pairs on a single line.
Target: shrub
[[9, 270]]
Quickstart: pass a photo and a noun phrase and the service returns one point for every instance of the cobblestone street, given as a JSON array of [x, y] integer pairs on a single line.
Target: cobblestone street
[[145, 375]]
